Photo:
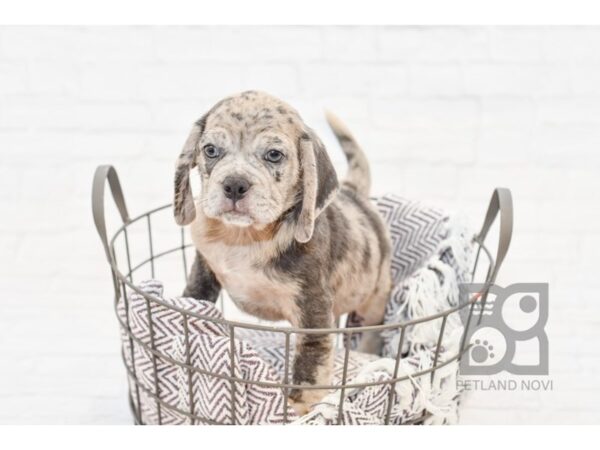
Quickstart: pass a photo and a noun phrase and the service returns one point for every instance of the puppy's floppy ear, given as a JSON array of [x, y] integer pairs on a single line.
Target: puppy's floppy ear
[[319, 184], [183, 200]]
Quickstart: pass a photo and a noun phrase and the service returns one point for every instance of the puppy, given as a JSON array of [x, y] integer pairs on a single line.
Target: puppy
[[275, 230]]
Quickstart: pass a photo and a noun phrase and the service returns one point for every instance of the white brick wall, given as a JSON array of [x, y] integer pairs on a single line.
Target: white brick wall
[[445, 114]]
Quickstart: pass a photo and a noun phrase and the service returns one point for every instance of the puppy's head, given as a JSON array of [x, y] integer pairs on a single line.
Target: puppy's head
[[257, 161]]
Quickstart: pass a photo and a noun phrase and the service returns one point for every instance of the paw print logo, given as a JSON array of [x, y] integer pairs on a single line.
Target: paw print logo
[[481, 351], [502, 330], [488, 347]]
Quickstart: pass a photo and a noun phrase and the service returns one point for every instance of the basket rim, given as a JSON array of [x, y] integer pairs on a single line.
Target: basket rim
[[126, 281]]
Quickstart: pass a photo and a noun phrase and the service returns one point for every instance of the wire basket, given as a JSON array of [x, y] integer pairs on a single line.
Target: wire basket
[[153, 256]]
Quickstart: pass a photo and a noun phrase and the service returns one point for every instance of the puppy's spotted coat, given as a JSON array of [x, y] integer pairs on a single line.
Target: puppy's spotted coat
[[273, 227]]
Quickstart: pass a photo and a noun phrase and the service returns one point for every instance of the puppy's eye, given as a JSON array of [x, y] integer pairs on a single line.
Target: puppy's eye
[[274, 156], [211, 151]]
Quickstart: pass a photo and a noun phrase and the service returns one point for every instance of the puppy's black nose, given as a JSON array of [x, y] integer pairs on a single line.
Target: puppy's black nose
[[235, 187]]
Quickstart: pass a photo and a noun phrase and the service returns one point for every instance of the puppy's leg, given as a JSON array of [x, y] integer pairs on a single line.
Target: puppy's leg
[[372, 311], [313, 362], [202, 283]]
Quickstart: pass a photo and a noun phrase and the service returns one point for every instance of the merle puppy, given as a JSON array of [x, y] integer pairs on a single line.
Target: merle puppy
[[273, 227]]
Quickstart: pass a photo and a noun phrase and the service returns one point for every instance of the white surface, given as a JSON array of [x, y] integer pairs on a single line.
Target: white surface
[[445, 114]]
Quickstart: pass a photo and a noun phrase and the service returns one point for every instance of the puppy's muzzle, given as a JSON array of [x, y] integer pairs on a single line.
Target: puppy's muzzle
[[235, 187]]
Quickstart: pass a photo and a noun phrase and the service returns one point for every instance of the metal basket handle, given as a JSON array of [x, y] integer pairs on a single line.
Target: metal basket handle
[[104, 173], [501, 202]]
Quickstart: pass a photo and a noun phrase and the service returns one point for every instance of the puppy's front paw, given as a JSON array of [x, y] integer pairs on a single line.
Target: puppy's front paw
[[303, 400], [301, 407]]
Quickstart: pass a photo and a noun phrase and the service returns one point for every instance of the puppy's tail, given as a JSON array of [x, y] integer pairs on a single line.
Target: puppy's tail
[[358, 177]]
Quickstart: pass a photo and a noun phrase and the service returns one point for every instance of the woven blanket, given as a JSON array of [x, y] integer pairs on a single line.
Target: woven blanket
[[431, 256], [257, 356]]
